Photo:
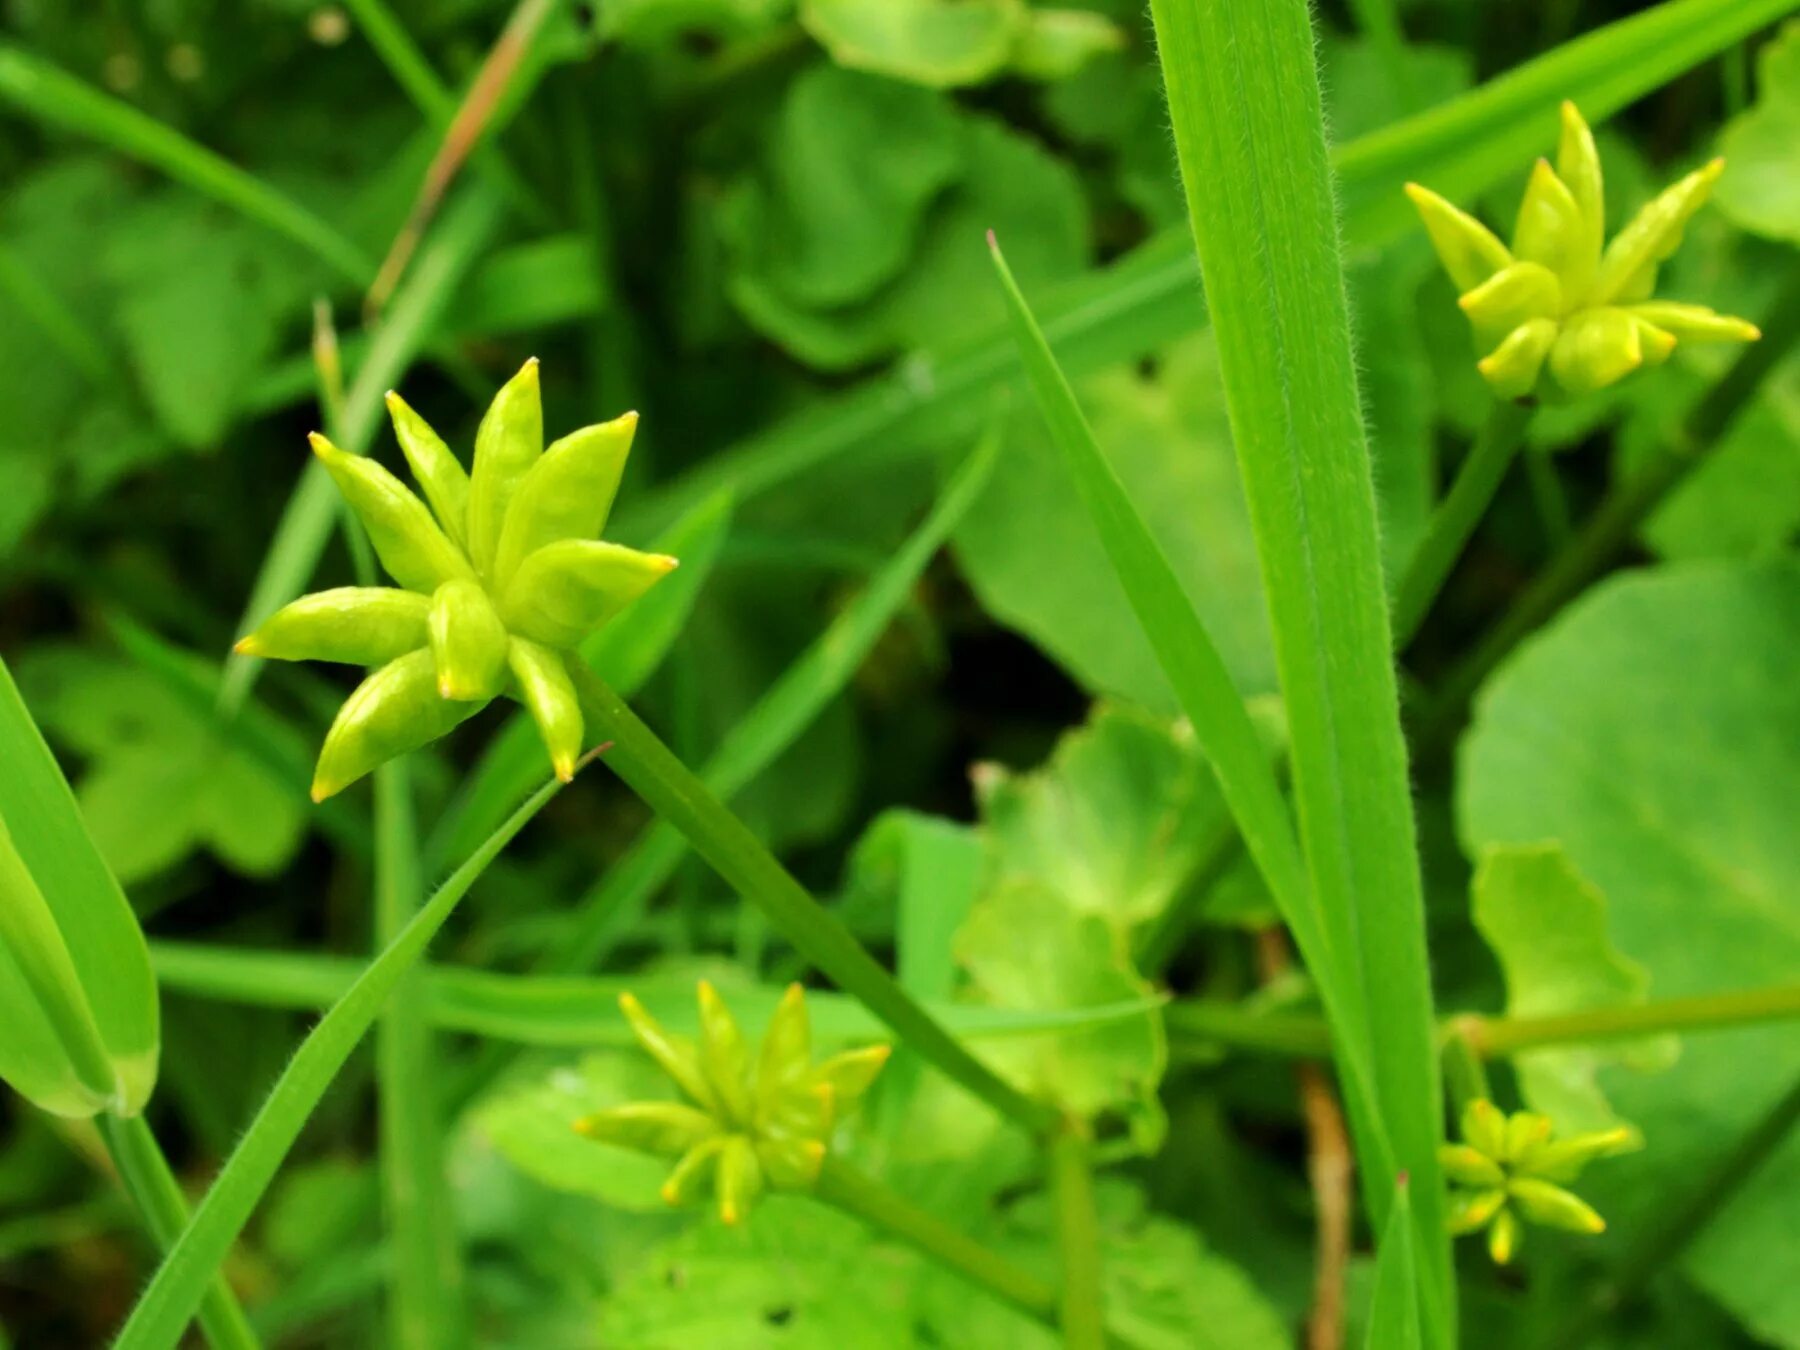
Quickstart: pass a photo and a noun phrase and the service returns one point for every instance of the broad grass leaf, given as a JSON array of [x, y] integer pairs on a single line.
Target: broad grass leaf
[[1761, 187], [1546, 924], [1654, 731], [1394, 1302], [96, 933], [1032, 554]]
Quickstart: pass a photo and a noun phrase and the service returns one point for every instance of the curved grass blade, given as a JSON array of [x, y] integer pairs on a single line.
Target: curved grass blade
[[57, 98], [163, 1311], [1394, 1309], [1249, 134]]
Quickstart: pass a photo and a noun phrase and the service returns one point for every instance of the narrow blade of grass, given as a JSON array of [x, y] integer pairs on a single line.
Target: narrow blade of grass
[[1249, 135], [56, 98], [1462, 147], [1394, 1307], [312, 511], [169, 1302]]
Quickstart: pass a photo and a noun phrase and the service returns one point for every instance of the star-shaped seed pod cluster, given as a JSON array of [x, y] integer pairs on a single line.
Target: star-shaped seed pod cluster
[[498, 577], [1508, 1170], [1556, 315], [749, 1122]]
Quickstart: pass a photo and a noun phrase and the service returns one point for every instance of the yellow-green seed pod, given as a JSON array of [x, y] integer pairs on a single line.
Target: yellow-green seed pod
[[1578, 165], [1469, 250], [676, 1055], [437, 472], [567, 494], [415, 552], [1596, 348], [1695, 323], [790, 1164], [1552, 1206], [547, 692], [691, 1173], [666, 1128], [1469, 1166], [394, 710], [805, 1111], [1549, 228], [1503, 1237], [851, 1072], [724, 1058], [564, 591], [1470, 1212], [1525, 1131], [1484, 1126], [1563, 1160], [468, 643], [509, 441], [1512, 296], [356, 625], [786, 1052], [1627, 271], [740, 1179], [1512, 369]]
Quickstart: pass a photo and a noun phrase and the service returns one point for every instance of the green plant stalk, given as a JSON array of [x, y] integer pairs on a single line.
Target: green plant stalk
[[1080, 1310], [147, 1179], [859, 1194], [672, 790], [1548, 498], [426, 1304], [1249, 135], [1453, 522], [1624, 511], [1231, 1025], [1682, 1221], [169, 1302], [52, 95], [1465, 1075]]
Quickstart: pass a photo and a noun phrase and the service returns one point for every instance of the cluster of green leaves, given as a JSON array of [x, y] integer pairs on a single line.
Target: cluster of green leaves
[[911, 668]]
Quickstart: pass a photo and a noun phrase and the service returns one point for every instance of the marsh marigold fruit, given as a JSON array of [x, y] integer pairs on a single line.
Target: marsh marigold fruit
[[500, 576], [1558, 315]]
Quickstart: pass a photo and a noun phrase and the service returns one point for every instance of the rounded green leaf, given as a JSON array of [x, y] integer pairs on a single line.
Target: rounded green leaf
[[357, 625], [565, 590], [567, 494], [508, 442]]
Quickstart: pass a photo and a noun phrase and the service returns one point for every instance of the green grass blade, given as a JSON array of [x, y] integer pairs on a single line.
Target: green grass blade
[[313, 511], [626, 652], [163, 1311], [1462, 147], [1249, 135], [425, 1310], [1394, 1308], [56, 98], [580, 1012]]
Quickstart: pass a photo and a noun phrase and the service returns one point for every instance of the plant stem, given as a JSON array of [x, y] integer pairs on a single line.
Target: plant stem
[[1077, 1241], [1465, 1076], [1667, 1235], [1231, 1024], [1448, 531], [1496, 1037], [153, 1189], [1616, 523], [1548, 497], [673, 791], [859, 1194], [425, 1299]]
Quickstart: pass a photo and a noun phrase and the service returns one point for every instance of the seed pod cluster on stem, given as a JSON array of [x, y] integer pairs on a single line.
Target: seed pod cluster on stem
[[499, 575]]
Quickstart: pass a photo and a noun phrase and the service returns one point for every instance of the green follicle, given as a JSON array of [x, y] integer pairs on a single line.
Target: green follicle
[[752, 1121], [1559, 313], [1508, 1170], [500, 577]]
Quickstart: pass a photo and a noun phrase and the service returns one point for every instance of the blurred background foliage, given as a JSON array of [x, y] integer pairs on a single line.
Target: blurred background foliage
[[759, 222]]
